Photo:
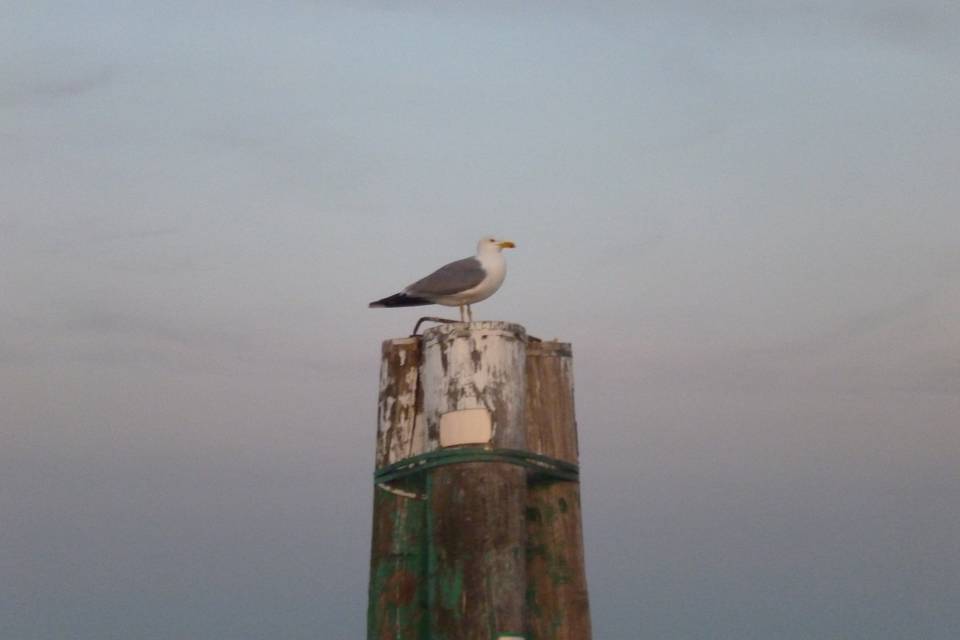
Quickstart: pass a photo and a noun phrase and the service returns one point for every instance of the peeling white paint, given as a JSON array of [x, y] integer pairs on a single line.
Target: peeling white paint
[[398, 435], [401, 492], [475, 366]]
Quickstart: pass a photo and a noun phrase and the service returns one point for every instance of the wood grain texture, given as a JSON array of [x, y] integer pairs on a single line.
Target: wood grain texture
[[477, 570], [397, 604], [473, 550], [557, 603], [399, 434]]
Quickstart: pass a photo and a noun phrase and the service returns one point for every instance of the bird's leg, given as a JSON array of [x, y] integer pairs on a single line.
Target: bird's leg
[[463, 318], [469, 314]]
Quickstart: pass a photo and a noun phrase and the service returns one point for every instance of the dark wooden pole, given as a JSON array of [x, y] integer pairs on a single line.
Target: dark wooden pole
[[472, 378], [465, 549], [397, 605], [556, 581]]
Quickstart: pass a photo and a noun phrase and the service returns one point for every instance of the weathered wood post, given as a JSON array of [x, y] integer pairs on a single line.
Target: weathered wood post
[[397, 606], [477, 531], [556, 578], [473, 395]]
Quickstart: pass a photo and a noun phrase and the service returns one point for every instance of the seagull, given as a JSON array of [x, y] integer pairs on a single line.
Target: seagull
[[458, 284]]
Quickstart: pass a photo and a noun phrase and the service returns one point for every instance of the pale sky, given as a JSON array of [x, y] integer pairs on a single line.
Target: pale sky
[[743, 215]]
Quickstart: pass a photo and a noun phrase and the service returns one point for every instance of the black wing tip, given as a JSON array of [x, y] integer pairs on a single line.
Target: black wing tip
[[399, 300]]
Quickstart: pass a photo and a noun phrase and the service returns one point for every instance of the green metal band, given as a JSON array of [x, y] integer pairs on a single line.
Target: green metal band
[[539, 464]]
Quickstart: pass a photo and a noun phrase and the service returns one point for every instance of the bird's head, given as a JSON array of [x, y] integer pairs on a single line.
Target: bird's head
[[490, 243]]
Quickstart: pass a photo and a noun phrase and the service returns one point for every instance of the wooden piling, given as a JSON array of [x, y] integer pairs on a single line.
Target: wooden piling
[[397, 604], [557, 604], [472, 381], [477, 532]]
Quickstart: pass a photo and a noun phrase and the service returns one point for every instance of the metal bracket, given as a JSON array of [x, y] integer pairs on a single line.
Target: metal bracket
[[416, 327], [539, 465]]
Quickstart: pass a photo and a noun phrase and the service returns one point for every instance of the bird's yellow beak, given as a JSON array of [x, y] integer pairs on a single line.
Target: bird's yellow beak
[[506, 244]]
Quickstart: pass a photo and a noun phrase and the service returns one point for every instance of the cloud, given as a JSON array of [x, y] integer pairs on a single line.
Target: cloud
[[39, 90], [908, 23], [13, 356], [926, 25], [942, 379], [114, 324], [98, 332], [150, 233]]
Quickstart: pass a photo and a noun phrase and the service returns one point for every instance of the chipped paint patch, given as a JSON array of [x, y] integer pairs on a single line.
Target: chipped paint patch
[[474, 366], [397, 434]]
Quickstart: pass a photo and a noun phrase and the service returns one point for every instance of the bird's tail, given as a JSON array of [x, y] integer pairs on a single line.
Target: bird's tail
[[400, 300]]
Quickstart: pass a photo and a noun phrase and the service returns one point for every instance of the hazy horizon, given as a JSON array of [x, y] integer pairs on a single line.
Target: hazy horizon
[[744, 217]]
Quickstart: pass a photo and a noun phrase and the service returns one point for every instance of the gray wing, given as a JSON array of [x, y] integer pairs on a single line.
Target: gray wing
[[449, 279]]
